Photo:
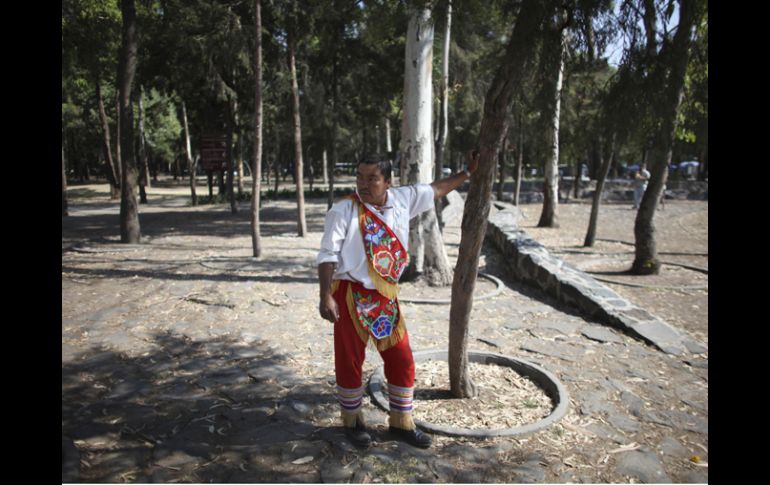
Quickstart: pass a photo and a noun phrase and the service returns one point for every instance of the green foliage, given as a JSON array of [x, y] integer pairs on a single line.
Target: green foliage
[[162, 127]]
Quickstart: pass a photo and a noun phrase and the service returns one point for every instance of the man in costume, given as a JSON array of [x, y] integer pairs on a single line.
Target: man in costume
[[363, 253]]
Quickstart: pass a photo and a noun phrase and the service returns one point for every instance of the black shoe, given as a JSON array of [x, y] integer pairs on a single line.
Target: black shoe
[[414, 437], [358, 435]]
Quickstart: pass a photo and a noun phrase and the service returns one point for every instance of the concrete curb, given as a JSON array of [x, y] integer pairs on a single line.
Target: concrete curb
[[531, 262], [498, 289], [544, 379]]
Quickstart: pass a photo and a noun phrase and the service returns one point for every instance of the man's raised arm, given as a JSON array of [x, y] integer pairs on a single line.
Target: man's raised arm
[[444, 186]]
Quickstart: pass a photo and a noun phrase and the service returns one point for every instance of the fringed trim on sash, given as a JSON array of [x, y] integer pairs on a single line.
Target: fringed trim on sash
[[384, 287], [360, 329], [382, 344]]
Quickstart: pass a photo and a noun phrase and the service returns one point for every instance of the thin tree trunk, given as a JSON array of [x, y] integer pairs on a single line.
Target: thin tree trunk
[[443, 121], [519, 162], [188, 153], [549, 216], [231, 128], [517, 61], [277, 163], [239, 166], [501, 163], [325, 162], [129, 214], [144, 176], [388, 144], [118, 154], [64, 211], [426, 248], [301, 224], [112, 174], [646, 258], [594, 220], [256, 171], [335, 131]]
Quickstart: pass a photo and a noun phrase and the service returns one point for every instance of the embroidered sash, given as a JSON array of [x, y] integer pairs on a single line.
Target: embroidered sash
[[387, 256], [374, 315]]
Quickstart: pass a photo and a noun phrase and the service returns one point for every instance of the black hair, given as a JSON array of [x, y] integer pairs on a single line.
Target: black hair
[[383, 161]]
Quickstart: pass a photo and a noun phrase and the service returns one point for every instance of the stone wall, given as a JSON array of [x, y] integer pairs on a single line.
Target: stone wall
[[531, 263]]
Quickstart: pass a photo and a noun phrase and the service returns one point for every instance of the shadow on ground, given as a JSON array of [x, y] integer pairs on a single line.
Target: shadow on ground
[[196, 411]]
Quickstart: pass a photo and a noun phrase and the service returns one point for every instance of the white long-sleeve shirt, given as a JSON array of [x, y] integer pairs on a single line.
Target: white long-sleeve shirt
[[342, 242]]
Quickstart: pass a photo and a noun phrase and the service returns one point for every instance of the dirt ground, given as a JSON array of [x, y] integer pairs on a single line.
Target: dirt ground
[[176, 350], [678, 295]]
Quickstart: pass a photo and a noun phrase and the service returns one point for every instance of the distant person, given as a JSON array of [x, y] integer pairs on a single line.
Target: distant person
[[640, 185], [363, 253]]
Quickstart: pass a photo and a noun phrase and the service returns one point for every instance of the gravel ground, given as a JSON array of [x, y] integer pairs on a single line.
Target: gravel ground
[[184, 359]]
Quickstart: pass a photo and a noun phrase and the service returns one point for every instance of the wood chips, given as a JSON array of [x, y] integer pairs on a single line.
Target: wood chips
[[505, 399]]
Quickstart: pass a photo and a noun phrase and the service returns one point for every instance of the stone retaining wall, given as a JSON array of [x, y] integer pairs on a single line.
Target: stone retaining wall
[[531, 262]]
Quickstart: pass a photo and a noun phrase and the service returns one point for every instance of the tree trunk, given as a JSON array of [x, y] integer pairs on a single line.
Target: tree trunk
[[426, 248], [594, 220], [277, 163], [501, 163], [64, 211], [239, 166], [646, 258], [129, 215], [517, 61], [549, 216], [325, 162], [144, 176], [112, 175], [443, 122], [519, 161], [118, 154], [301, 224], [334, 134], [232, 107], [256, 171], [188, 153], [388, 144]]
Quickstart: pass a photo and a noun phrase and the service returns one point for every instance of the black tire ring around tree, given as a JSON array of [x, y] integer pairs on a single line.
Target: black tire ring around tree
[[543, 379], [495, 292]]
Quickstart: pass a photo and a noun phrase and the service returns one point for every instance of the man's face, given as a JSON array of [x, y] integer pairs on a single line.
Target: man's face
[[371, 184]]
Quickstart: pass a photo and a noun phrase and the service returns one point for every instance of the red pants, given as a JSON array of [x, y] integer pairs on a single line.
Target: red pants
[[350, 351]]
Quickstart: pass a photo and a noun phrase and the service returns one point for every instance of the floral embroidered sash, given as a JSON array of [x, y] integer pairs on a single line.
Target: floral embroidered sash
[[377, 311], [375, 315], [387, 257]]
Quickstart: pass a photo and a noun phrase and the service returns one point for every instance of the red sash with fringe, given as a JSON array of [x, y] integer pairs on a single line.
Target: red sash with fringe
[[387, 257], [376, 312]]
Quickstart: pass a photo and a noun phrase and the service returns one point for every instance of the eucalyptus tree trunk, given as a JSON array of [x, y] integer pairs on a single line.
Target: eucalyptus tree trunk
[[188, 154], [301, 224], [549, 216], [517, 60], [64, 211], [594, 220], [443, 122], [388, 143], [144, 176], [112, 175], [256, 171], [130, 231], [675, 62], [426, 247]]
